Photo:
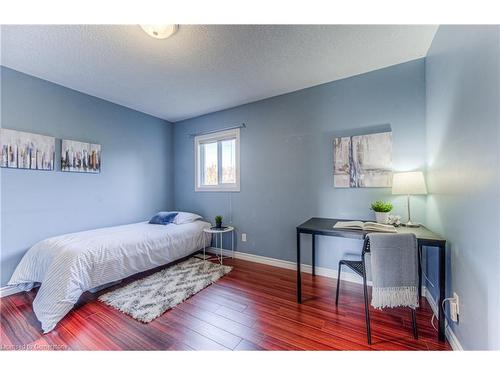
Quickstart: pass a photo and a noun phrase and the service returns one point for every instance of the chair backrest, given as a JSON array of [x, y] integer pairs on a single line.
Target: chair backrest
[[366, 245], [365, 257]]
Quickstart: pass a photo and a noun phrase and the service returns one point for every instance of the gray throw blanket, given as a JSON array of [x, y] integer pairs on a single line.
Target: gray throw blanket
[[394, 268]]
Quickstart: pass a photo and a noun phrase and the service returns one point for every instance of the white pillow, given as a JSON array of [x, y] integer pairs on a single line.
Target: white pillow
[[186, 217]]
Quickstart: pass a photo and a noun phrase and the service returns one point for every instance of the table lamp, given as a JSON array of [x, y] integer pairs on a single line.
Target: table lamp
[[409, 183]]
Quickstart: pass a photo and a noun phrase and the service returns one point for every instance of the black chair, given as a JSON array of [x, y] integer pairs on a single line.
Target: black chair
[[358, 266]]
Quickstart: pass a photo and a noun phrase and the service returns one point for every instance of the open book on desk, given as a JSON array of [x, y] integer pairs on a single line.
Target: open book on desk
[[368, 226]]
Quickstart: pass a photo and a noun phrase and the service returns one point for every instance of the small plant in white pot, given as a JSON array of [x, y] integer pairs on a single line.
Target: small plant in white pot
[[382, 210]]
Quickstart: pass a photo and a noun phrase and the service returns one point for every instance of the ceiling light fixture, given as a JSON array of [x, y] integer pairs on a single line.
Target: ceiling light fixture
[[160, 31]]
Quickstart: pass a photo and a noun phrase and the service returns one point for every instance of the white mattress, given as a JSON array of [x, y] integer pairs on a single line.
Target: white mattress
[[68, 265]]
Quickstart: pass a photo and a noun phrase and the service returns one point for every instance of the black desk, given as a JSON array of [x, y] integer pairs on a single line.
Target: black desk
[[324, 227]]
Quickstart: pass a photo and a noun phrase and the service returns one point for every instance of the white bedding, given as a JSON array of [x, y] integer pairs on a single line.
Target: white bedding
[[68, 265]]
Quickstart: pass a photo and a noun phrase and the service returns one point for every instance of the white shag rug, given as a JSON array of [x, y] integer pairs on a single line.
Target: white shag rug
[[148, 298]]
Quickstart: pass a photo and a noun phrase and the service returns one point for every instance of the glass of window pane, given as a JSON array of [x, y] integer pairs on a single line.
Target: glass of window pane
[[209, 152], [228, 151]]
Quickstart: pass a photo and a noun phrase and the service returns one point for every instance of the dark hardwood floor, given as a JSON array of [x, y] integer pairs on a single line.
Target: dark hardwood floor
[[252, 308]]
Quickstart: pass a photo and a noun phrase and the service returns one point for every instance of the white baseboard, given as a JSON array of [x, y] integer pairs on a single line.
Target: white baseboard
[[320, 271], [450, 335], [9, 290]]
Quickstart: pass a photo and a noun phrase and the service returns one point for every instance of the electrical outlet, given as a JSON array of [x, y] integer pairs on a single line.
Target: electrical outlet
[[454, 307], [457, 301], [243, 237]]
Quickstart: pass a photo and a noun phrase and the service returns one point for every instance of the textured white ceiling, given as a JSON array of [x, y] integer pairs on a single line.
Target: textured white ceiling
[[204, 68]]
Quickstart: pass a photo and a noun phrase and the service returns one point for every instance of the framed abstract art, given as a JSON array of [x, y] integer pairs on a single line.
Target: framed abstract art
[[363, 161], [80, 157], [23, 150]]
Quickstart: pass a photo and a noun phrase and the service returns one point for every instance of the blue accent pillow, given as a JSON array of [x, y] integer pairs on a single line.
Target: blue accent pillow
[[163, 218]]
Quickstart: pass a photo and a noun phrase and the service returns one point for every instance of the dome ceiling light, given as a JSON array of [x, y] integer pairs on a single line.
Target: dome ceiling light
[[160, 31]]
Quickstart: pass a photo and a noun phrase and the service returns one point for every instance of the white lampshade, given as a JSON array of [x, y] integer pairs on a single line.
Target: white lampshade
[[408, 183], [159, 31]]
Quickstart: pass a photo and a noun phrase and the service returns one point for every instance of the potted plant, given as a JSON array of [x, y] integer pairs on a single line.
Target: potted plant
[[218, 221], [382, 210]]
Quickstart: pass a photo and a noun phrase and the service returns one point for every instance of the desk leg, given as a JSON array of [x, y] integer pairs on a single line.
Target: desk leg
[[314, 255], [442, 291], [419, 272], [299, 279]]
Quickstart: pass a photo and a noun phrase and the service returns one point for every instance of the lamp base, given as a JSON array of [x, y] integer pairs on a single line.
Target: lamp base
[[412, 225]]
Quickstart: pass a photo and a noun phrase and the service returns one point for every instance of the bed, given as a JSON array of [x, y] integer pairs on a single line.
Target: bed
[[70, 264]]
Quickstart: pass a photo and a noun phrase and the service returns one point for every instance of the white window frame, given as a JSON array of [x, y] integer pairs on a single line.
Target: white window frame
[[216, 137]]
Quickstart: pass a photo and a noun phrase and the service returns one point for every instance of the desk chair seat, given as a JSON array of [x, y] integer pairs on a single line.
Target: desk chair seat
[[355, 265], [359, 267]]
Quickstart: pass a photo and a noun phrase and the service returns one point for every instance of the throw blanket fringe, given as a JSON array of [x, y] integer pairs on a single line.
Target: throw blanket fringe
[[394, 297]]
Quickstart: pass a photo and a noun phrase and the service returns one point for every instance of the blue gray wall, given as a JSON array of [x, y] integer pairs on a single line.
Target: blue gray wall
[[286, 158], [463, 143], [136, 178]]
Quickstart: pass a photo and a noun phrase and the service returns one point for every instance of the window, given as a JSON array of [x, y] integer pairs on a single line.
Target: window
[[217, 161]]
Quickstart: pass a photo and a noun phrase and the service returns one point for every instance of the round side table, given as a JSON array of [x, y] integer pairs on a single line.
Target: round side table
[[218, 239]]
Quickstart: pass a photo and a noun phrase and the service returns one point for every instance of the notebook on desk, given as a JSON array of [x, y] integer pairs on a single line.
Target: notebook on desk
[[368, 226]]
